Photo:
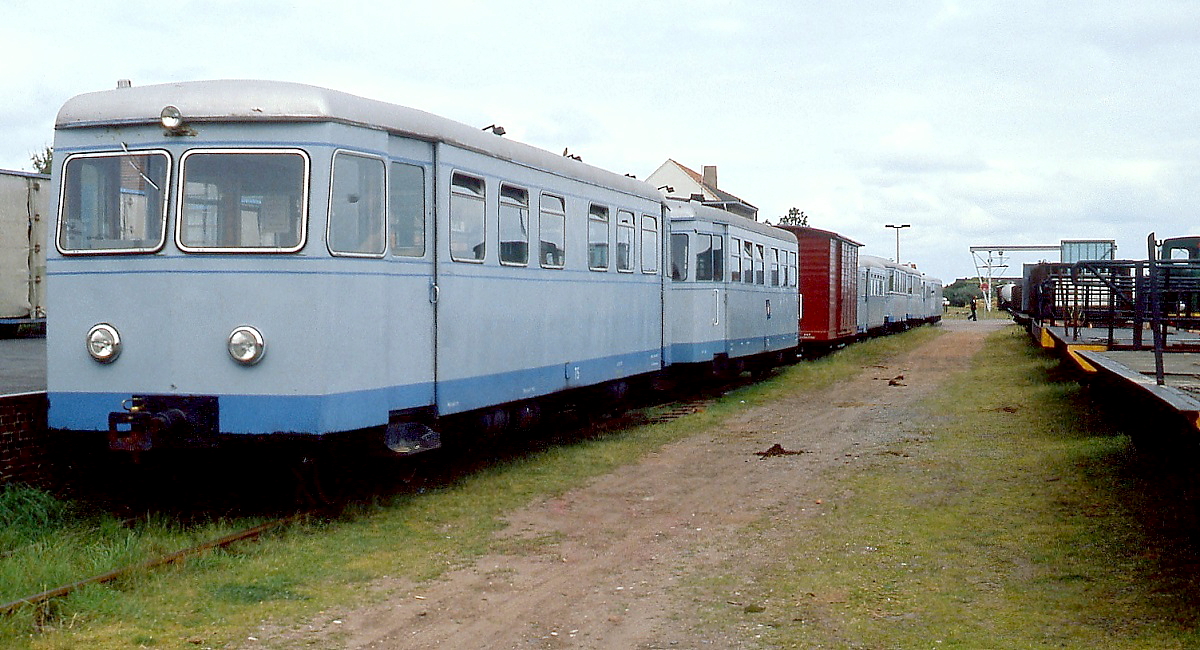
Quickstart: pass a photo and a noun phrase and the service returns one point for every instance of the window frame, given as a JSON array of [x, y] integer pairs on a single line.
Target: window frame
[[392, 187], [686, 256], [506, 200], [760, 274], [747, 261], [735, 259], [562, 216], [165, 210], [703, 253], [384, 216], [593, 218], [305, 200], [652, 247], [627, 228], [481, 197]]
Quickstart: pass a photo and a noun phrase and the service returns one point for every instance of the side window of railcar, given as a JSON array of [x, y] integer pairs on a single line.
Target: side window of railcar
[[625, 241], [735, 259], [406, 210], [679, 257], [243, 200], [467, 243], [598, 237], [747, 262], [710, 258], [356, 206], [552, 219], [704, 257], [718, 258], [774, 267], [649, 244], [759, 269], [114, 202], [794, 266], [514, 225]]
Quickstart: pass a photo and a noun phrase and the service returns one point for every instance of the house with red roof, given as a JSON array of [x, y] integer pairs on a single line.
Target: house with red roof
[[683, 183]]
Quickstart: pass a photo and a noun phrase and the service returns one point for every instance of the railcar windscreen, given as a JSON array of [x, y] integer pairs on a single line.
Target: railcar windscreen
[[114, 203], [243, 201]]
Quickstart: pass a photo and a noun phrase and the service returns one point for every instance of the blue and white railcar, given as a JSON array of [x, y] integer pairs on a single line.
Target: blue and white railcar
[[875, 306], [732, 298], [932, 291], [247, 257]]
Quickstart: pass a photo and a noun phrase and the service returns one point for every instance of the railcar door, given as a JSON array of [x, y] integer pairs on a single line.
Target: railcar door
[[411, 266]]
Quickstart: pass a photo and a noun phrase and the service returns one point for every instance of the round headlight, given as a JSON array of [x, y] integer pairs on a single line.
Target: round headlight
[[103, 343], [246, 345], [171, 118]]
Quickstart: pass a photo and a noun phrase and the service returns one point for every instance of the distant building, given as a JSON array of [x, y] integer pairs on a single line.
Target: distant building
[[1074, 250], [685, 184]]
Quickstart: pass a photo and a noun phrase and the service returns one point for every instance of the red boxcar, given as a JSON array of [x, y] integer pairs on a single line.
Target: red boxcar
[[828, 288]]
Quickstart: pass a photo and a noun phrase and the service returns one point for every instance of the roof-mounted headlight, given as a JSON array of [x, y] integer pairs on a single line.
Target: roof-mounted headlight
[[171, 118], [246, 345], [103, 343], [172, 122]]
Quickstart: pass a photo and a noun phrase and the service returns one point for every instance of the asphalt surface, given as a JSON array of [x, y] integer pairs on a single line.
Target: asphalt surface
[[22, 365]]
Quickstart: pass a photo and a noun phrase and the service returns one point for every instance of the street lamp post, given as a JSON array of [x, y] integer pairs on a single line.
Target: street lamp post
[[898, 227]]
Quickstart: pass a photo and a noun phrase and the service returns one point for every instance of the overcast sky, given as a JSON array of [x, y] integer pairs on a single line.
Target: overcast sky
[[977, 122]]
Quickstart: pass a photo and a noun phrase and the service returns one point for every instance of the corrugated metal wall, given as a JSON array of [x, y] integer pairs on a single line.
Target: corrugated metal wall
[[24, 211]]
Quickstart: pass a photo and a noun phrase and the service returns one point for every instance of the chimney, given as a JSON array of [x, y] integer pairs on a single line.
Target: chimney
[[710, 176]]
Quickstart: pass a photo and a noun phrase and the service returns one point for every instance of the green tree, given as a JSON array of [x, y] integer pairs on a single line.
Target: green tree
[[794, 217], [961, 291], [42, 162]]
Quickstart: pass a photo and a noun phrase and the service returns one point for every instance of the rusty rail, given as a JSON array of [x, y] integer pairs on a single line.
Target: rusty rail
[[222, 542]]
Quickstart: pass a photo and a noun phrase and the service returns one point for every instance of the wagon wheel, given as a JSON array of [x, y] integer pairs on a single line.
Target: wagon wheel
[[320, 482]]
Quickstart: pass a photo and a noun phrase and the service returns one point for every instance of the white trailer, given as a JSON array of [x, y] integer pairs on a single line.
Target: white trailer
[[24, 209]]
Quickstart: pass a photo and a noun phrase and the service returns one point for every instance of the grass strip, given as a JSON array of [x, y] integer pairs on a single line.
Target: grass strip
[[1021, 519]]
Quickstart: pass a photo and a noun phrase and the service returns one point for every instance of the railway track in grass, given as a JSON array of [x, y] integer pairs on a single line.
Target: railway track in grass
[[169, 558]]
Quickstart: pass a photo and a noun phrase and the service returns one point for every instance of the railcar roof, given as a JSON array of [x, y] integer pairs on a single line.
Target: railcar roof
[[876, 261], [800, 231], [13, 172], [277, 101], [692, 210]]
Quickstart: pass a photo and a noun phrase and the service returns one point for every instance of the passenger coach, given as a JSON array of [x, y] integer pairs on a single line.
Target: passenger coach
[[732, 300], [248, 258]]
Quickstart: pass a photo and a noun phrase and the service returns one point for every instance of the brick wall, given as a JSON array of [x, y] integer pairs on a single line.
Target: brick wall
[[23, 448]]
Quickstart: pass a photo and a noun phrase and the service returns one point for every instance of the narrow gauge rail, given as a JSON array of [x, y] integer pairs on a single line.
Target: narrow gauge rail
[[64, 590]]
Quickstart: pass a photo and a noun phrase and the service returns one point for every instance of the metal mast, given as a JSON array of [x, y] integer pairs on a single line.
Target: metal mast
[[987, 265]]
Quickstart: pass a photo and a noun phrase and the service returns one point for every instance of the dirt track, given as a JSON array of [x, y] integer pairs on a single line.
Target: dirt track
[[615, 563]]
